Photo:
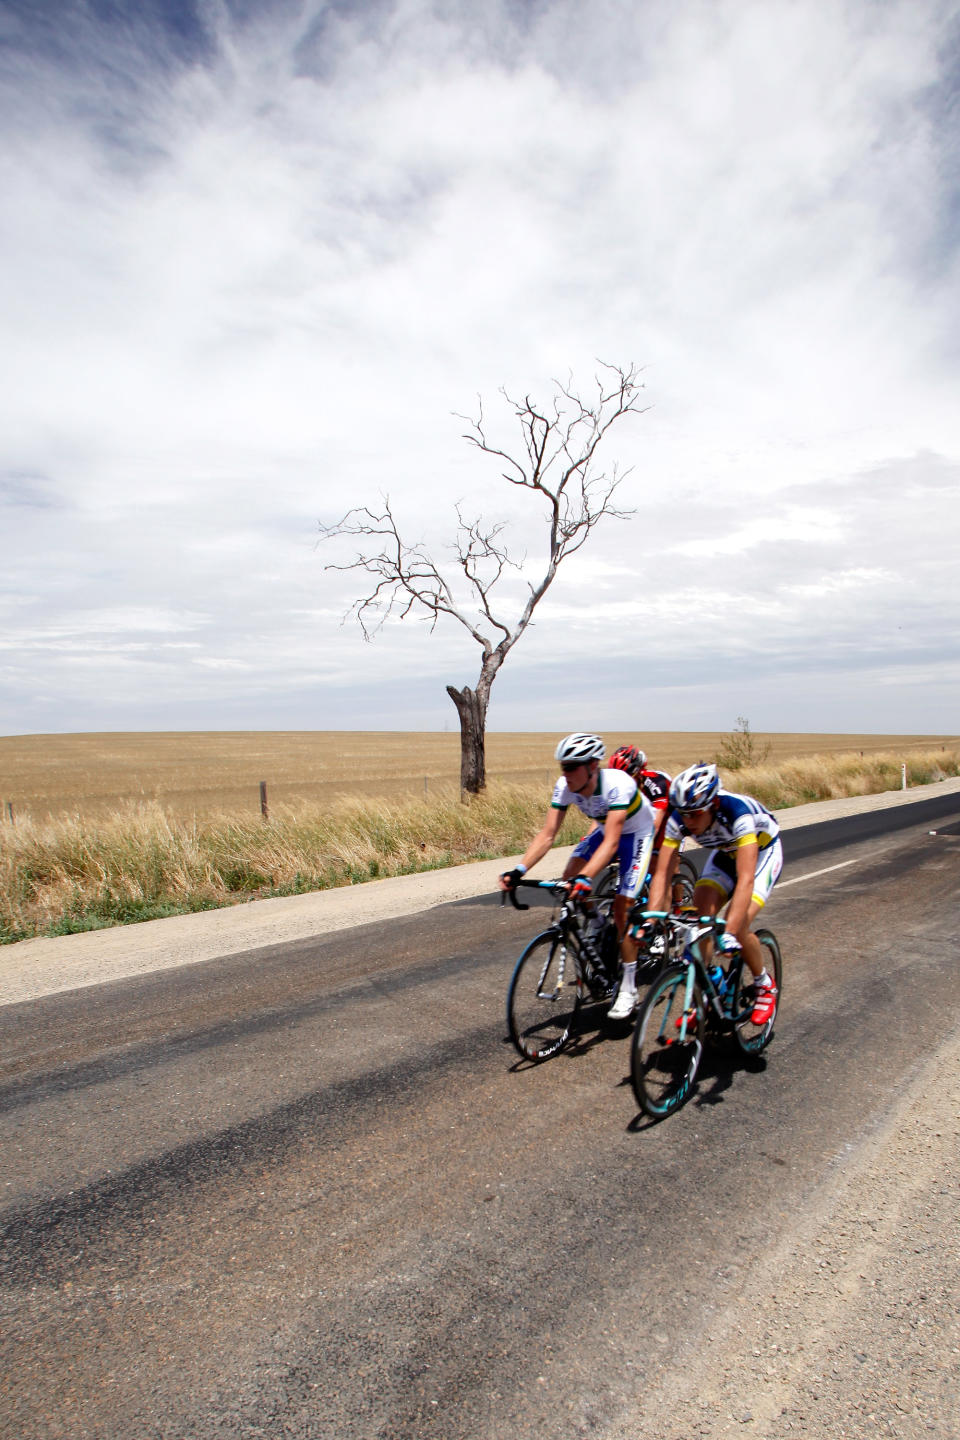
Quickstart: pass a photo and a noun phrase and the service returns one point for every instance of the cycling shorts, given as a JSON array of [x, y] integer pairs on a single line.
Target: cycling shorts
[[633, 854], [720, 872]]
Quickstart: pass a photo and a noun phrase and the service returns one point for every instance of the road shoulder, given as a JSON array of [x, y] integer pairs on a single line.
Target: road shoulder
[[849, 1324]]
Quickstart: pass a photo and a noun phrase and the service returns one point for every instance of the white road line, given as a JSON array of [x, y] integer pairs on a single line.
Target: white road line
[[813, 874]]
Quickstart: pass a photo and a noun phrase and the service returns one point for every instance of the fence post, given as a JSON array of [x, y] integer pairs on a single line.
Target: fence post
[[903, 777], [10, 812], [263, 800]]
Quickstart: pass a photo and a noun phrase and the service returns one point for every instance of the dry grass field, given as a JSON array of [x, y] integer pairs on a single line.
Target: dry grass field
[[112, 829], [200, 774]]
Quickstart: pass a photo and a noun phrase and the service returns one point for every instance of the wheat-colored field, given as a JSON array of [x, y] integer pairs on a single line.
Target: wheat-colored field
[[204, 773]]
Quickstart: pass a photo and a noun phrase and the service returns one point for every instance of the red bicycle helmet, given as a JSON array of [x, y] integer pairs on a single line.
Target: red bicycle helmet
[[628, 758]]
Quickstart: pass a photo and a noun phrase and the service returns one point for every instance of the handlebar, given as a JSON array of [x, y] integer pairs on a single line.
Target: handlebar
[[559, 887]]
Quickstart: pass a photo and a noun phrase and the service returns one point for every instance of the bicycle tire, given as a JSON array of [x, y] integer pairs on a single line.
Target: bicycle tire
[[663, 1066], [605, 885], [542, 1010], [754, 1038], [685, 881]]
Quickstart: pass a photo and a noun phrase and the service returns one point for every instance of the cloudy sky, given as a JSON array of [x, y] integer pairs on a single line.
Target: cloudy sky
[[256, 256]]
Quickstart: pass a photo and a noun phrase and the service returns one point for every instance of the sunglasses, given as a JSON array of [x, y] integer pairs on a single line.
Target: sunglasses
[[569, 769]]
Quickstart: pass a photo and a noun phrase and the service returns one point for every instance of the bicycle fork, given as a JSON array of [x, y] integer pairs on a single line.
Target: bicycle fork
[[561, 970], [687, 1015]]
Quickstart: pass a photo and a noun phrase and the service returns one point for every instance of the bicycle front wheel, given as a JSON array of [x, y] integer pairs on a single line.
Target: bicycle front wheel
[[754, 1038], [543, 999], [667, 1043], [684, 883]]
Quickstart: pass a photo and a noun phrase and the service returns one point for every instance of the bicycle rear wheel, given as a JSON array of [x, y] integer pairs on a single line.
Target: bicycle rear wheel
[[605, 885], [754, 1038], [542, 1001], [667, 1043]]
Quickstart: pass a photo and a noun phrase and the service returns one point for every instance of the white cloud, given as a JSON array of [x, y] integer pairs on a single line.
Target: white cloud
[[248, 268]]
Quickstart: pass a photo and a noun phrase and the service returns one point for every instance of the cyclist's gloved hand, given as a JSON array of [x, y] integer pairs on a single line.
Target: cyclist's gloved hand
[[509, 878], [728, 943], [581, 888]]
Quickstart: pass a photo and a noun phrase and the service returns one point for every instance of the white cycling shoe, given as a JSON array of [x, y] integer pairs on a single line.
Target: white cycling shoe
[[624, 1005]]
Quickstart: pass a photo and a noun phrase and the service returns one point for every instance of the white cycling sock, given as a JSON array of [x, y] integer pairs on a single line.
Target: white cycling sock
[[763, 979], [629, 981]]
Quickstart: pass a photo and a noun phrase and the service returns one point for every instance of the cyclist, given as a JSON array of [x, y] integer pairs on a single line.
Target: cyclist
[[744, 864], [653, 784], [624, 828]]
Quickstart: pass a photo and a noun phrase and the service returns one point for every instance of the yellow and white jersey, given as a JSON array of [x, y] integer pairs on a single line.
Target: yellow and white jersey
[[739, 820]]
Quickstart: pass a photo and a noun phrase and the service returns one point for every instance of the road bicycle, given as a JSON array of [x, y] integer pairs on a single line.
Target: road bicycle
[[687, 1002], [577, 958]]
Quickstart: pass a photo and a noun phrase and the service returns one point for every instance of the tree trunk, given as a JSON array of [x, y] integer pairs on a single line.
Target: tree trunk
[[473, 720]]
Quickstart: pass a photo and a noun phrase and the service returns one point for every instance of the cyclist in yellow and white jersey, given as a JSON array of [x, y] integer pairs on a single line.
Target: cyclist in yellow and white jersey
[[625, 826], [743, 867]]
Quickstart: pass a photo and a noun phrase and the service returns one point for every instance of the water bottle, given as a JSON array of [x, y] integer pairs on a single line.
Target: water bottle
[[718, 978]]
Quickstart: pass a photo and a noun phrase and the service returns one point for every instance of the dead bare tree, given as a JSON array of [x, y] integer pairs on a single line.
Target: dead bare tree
[[555, 467]]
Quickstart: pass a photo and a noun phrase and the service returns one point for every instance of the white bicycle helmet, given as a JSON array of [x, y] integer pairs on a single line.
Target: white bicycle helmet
[[577, 749], [695, 788]]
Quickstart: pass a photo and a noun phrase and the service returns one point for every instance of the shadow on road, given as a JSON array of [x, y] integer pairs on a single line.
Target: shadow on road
[[721, 1063]]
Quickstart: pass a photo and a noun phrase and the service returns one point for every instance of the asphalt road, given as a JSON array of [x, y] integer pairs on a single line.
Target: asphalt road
[[309, 1190]]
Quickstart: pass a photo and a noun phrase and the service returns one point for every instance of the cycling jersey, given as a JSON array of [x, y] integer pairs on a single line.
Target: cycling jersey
[[614, 790], [739, 820], [655, 785]]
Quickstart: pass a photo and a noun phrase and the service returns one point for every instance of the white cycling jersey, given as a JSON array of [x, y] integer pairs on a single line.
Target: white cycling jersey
[[615, 790]]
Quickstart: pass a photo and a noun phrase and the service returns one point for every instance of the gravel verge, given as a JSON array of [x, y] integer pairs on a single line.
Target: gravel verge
[[849, 1324]]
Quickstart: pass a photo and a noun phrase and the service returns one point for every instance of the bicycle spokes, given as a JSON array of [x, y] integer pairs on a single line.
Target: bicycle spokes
[[541, 1002], [667, 1042]]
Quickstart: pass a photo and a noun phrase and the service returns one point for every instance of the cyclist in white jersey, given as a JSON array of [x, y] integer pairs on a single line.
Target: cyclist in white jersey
[[624, 827], [744, 865]]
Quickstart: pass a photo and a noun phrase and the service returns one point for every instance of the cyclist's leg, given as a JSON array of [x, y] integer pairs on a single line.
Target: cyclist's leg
[[752, 949], [769, 865], [713, 890], [634, 856], [635, 853]]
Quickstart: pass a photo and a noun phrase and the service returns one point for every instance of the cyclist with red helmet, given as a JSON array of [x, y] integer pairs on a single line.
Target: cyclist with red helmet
[[744, 864], [653, 784], [624, 826]]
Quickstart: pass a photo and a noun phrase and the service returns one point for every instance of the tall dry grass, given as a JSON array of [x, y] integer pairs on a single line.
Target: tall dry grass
[[142, 861], [808, 778]]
